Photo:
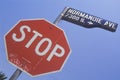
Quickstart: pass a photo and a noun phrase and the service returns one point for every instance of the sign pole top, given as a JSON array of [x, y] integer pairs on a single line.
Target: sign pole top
[[60, 16]]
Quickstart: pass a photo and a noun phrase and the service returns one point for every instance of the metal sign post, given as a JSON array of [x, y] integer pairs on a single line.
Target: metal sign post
[[57, 20], [16, 74]]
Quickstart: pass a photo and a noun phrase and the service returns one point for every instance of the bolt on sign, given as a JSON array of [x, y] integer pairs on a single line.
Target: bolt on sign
[[87, 20], [37, 46]]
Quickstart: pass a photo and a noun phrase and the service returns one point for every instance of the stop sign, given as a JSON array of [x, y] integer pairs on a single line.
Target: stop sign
[[37, 46]]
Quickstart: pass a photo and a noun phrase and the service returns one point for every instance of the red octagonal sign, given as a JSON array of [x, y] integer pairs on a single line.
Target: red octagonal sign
[[37, 46]]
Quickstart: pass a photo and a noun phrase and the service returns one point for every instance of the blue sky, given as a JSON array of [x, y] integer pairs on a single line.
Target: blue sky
[[95, 52]]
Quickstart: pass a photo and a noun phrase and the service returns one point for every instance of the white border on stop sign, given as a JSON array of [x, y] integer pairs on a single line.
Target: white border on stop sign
[[43, 73]]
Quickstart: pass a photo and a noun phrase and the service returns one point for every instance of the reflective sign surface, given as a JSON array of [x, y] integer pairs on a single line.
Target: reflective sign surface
[[87, 20]]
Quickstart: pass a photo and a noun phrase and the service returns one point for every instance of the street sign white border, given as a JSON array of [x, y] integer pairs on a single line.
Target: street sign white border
[[43, 73]]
